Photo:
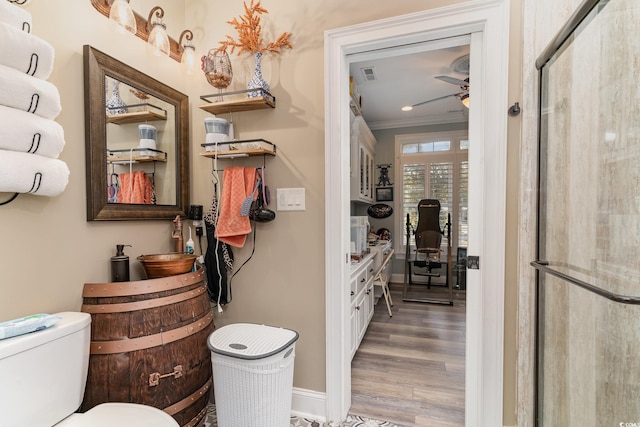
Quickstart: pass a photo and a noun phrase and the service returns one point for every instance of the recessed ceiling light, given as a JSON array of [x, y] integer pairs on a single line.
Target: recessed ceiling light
[[407, 108]]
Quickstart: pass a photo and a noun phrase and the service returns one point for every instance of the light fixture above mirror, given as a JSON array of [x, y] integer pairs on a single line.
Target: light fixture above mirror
[[143, 28], [188, 52], [122, 16], [158, 37]]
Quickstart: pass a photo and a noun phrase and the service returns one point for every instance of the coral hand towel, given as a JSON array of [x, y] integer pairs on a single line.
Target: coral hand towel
[[135, 188], [238, 183]]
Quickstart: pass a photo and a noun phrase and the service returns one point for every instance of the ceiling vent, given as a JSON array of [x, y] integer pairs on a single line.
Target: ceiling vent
[[368, 73]]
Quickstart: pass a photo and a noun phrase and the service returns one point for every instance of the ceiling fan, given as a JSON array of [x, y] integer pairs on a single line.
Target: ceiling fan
[[463, 96]]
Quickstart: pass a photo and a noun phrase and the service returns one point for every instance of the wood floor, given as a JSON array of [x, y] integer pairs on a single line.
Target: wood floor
[[409, 368]]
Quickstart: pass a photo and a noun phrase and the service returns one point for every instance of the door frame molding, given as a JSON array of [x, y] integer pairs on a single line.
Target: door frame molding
[[487, 21]]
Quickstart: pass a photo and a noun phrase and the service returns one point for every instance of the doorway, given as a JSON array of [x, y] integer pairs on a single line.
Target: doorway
[[486, 24]]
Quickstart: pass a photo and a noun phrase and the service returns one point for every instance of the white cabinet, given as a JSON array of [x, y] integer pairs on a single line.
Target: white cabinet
[[368, 305], [362, 299], [353, 327], [361, 317], [363, 146]]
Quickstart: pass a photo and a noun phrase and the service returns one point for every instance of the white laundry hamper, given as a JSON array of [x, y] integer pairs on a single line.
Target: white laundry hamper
[[252, 374]]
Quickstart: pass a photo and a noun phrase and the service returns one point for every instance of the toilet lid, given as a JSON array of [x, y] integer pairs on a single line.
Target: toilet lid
[[121, 415]]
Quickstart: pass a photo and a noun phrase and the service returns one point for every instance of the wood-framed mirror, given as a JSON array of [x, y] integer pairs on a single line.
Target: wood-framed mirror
[[137, 143]]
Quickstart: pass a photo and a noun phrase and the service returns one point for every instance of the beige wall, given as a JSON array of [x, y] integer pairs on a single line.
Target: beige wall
[[50, 250]]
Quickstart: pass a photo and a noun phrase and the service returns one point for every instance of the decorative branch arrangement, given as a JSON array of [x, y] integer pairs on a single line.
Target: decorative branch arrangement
[[249, 31]]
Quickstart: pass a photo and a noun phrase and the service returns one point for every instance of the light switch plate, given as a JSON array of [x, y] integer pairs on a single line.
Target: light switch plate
[[290, 199]]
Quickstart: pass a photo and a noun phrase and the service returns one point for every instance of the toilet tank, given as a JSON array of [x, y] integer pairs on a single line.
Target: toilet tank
[[43, 374]]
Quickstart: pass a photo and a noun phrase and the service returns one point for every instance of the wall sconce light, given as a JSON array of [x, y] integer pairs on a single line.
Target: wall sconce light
[[158, 38], [143, 27], [122, 15], [188, 58]]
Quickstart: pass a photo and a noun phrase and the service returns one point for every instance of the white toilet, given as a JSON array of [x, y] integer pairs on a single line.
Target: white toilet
[[43, 377]]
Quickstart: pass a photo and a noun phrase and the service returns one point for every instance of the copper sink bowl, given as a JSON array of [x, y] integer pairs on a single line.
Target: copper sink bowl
[[163, 265]]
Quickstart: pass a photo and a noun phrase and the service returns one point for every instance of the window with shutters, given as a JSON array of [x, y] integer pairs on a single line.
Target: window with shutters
[[433, 166]]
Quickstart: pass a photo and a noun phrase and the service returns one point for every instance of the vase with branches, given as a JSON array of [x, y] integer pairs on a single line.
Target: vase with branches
[[250, 40]]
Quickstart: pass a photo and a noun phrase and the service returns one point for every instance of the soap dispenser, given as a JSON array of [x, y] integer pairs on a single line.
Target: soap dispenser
[[190, 247], [120, 265]]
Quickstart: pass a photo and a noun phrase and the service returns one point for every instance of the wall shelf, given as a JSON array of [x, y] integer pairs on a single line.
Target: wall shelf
[[137, 116], [240, 148], [237, 101], [135, 155]]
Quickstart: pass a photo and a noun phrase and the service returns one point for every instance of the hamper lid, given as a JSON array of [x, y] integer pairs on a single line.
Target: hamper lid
[[250, 341]]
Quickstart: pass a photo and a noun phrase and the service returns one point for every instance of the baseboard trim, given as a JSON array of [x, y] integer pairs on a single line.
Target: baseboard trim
[[309, 404]]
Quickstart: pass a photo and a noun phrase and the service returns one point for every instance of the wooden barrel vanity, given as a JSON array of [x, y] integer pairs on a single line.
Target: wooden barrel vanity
[[149, 344]]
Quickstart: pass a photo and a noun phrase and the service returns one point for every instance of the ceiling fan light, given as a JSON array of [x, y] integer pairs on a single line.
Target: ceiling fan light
[[465, 100], [407, 108]]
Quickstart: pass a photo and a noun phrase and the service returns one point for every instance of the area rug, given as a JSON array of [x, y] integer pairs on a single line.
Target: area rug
[[351, 421]]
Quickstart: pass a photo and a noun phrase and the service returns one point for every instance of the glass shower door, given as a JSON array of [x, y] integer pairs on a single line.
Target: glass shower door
[[588, 366]]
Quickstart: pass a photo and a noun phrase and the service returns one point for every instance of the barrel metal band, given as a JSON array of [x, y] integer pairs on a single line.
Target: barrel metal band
[[188, 401], [133, 344], [195, 421], [142, 305], [140, 287]]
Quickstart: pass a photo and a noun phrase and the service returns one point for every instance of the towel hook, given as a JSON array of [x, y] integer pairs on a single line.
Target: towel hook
[[514, 110]]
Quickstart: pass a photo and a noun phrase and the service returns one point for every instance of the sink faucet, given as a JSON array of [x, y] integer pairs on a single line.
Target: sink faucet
[[176, 235]]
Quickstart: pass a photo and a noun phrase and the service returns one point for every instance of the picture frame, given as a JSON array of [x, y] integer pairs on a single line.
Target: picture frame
[[384, 194]]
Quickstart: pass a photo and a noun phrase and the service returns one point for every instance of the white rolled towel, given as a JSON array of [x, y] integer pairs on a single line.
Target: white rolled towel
[[30, 173], [28, 133], [25, 52], [14, 16], [30, 94]]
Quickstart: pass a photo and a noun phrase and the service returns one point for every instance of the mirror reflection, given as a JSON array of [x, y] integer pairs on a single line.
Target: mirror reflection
[[137, 148], [140, 146]]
